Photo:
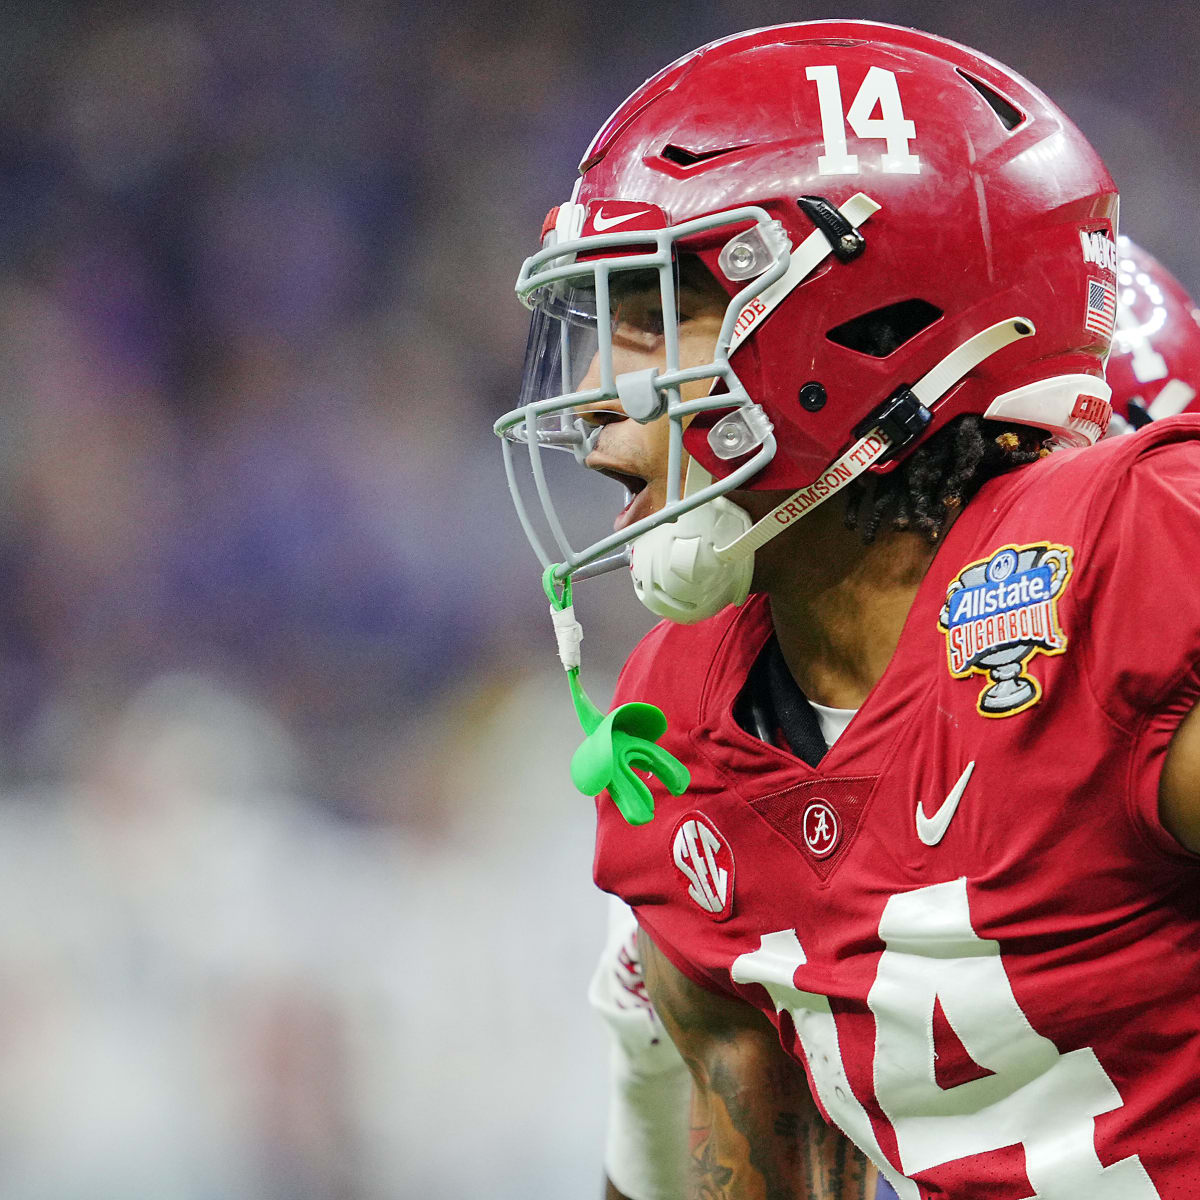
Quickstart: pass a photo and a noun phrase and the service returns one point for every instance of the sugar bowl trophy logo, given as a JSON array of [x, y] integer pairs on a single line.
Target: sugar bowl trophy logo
[[999, 612]]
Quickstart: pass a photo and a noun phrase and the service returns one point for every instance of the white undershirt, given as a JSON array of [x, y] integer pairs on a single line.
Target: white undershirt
[[833, 721]]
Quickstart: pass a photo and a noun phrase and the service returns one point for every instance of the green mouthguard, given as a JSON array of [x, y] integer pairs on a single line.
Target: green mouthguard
[[619, 744]]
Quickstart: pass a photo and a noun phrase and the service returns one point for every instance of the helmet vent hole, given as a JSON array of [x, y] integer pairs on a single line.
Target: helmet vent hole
[[682, 157], [1010, 116], [884, 330]]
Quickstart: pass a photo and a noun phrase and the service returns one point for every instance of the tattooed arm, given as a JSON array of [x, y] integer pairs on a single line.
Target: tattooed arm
[[756, 1133]]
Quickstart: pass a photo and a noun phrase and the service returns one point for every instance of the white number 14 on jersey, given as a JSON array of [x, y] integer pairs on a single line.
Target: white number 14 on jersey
[[1035, 1097]]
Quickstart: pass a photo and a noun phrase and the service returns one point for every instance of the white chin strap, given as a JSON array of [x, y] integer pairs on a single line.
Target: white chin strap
[[688, 569]]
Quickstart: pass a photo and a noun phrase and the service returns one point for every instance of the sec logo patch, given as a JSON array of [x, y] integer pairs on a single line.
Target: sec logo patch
[[705, 865]]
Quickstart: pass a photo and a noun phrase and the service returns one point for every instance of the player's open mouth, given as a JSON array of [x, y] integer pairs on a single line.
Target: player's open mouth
[[640, 502]]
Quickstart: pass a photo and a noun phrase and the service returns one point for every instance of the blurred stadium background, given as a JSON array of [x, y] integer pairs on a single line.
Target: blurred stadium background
[[296, 894]]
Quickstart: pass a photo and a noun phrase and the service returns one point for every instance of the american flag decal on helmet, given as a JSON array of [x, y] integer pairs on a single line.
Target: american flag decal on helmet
[[1101, 308]]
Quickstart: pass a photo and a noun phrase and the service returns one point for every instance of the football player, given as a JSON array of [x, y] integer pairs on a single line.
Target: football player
[[868, 277], [1154, 371]]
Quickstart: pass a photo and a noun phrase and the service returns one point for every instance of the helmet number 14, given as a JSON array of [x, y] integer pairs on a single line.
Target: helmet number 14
[[878, 90]]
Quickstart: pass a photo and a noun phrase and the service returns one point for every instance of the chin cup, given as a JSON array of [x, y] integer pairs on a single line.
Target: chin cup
[[675, 568]]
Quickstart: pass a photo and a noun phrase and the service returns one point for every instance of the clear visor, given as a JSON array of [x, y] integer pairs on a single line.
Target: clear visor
[[572, 362], [561, 349]]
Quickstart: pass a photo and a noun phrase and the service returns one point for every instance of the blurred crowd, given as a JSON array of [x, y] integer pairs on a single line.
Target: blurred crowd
[[282, 744], [256, 318], [236, 429]]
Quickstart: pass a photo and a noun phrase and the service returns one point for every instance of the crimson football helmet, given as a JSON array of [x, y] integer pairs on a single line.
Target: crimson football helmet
[[1154, 369], [906, 231]]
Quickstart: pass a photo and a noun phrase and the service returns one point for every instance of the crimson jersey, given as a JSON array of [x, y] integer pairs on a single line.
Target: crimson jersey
[[968, 921]]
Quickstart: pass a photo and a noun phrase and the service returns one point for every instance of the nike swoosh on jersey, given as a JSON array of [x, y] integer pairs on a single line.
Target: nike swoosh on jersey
[[600, 222], [931, 830]]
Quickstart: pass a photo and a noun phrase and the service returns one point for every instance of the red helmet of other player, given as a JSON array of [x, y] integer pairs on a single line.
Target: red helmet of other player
[[1154, 370]]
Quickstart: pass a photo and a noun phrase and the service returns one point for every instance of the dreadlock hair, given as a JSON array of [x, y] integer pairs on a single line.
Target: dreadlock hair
[[925, 492]]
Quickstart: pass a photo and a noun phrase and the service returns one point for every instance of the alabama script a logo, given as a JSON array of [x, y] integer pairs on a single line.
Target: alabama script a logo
[[1000, 611]]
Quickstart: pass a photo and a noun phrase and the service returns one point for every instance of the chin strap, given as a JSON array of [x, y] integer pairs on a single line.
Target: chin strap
[[870, 448], [866, 451], [616, 745]]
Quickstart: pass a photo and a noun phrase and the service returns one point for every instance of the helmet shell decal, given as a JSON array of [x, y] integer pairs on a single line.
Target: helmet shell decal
[[607, 216]]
